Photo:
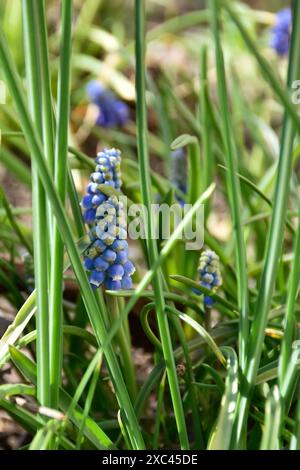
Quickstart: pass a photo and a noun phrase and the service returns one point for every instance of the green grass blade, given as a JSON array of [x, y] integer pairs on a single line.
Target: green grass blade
[[15, 330], [44, 437], [220, 437], [208, 156], [289, 318], [272, 421], [84, 381], [295, 439], [8, 390], [287, 386], [61, 172], [39, 212], [178, 23], [148, 386], [88, 404], [233, 188], [151, 243], [75, 206], [46, 108]]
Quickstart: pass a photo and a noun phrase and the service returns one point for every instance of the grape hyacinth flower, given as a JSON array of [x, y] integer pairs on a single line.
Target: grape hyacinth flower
[[178, 175], [107, 257], [281, 32], [112, 111], [209, 273]]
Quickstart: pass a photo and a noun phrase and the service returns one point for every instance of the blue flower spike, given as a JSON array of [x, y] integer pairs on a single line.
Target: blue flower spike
[[112, 111], [107, 257], [281, 32], [209, 274]]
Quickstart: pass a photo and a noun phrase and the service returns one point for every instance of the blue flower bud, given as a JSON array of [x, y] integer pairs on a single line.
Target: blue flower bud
[[109, 255], [97, 177], [98, 199], [92, 188], [87, 201], [100, 264], [95, 90], [120, 245], [99, 245], [116, 272], [88, 264], [97, 278], [113, 285], [122, 256], [107, 238], [126, 282], [208, 301], [129, 268], [89, 216]]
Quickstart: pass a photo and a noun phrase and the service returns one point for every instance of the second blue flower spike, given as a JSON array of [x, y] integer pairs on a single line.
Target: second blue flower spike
[[209, 273], [281, 32], [112, 111]]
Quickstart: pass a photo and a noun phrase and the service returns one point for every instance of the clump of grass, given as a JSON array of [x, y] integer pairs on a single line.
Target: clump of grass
[[224, 363]]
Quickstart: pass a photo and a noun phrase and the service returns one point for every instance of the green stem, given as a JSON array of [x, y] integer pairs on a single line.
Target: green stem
[[75, 206], [125, 353], [207, 319], [61, 154], [295, 440], [46, 108], [159, 416], [88, 401], [233, 188], [194, 172], [162, 320], [190, 382], [208, 156], [146, 327], [289, 319], [39, 212]]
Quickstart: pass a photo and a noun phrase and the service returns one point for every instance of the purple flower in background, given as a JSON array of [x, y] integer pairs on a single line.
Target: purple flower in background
[[107, 257], [112, 111], [281, 32]]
